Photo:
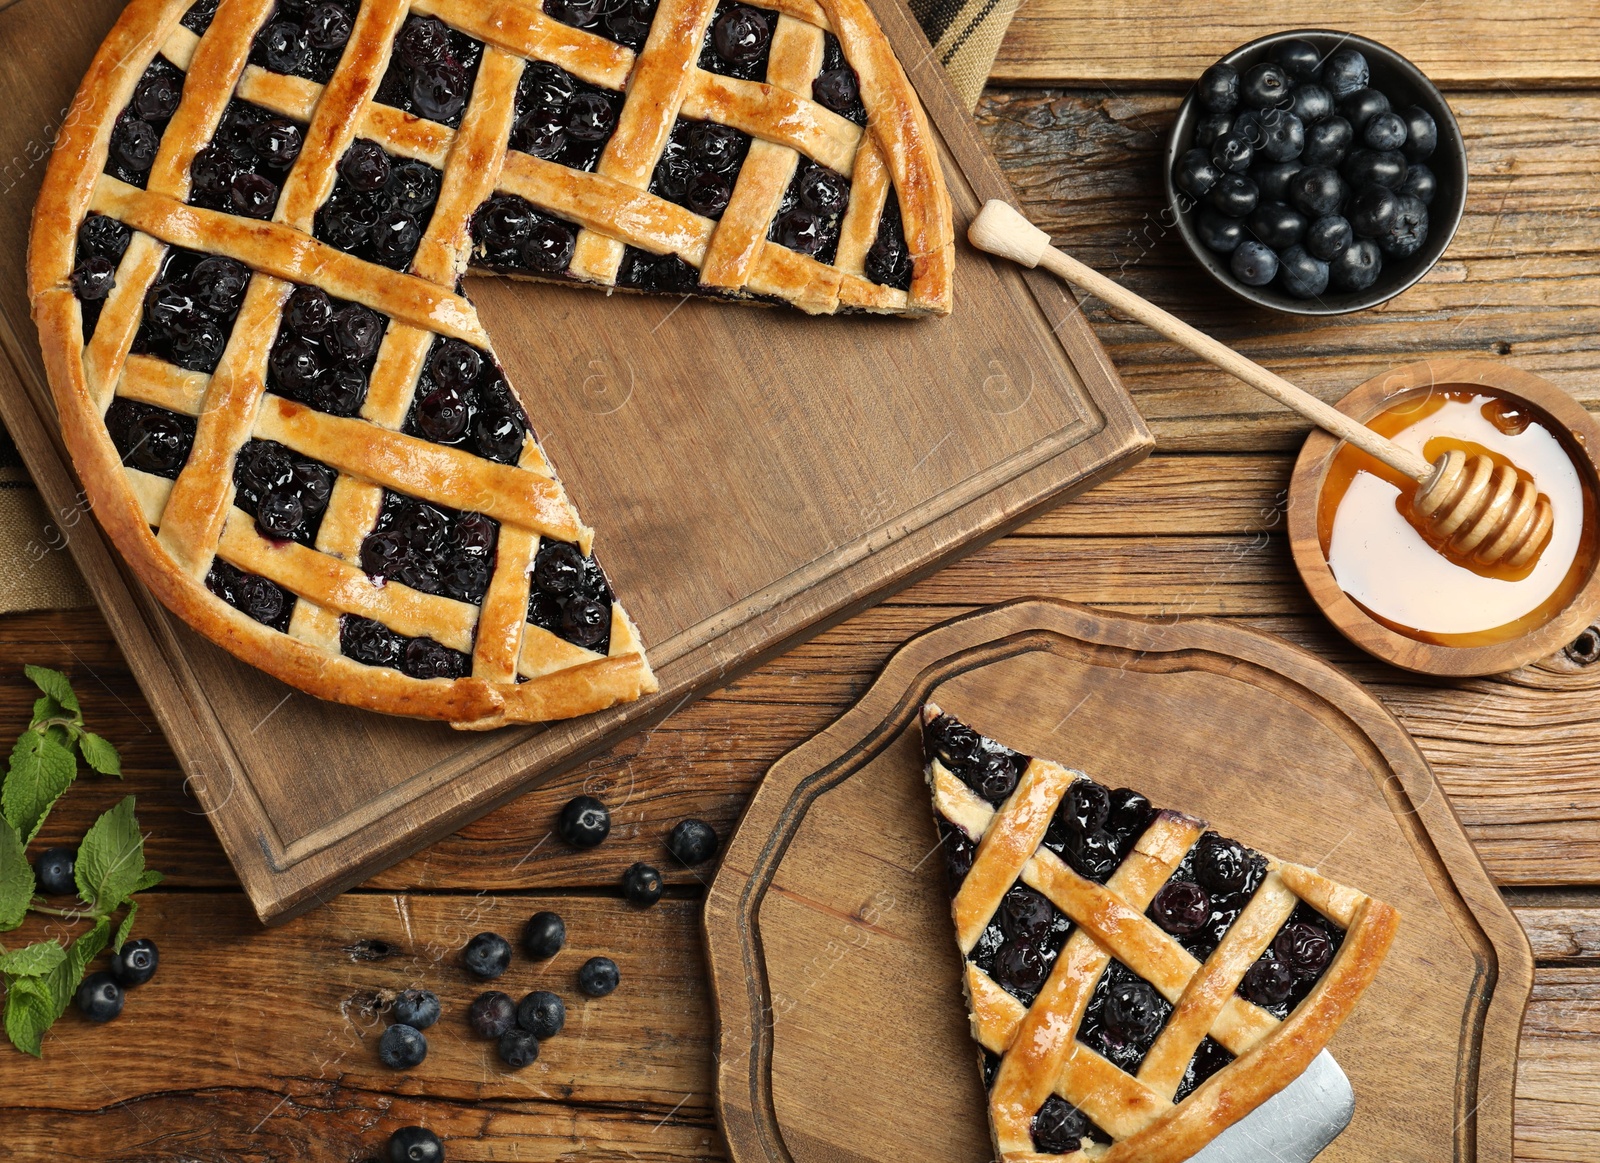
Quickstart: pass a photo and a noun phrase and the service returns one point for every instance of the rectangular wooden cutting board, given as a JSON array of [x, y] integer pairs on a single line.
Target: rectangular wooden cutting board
[[754, 476]]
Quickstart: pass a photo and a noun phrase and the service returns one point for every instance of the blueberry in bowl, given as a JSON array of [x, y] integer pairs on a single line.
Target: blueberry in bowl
[[1316, 172]]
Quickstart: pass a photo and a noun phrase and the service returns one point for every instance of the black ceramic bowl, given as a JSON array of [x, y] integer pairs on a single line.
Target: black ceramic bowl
[[1405, 85]]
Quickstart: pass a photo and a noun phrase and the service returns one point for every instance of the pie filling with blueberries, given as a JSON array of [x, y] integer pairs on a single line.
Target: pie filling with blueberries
[[1137, 983], [246, 262]]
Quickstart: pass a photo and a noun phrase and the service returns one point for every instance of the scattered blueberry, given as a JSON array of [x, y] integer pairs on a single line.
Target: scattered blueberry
[[584, 822], [1385, 131], [598, 977], [518, 1048], [1327, 142], [641, 885], [1408, 231], [100, 997], [1277, 225], [1300, 59], [135, 963], [543, 936], [1272, 179], [487, 955], [1422, 134], [415, 1145], [402, 1047], [417, 1008], [1360, 107], [692, 841], [53, 872], [1254, 264], [1232, 152], [1328, 235], [1303, 276], [1311, 104], [1356, 267], [1345, 72], [1218, 232], [1219, 88], [491, 1014], [1420, 183], [1372, 211], [542, 1014], [1234, 195], [1316, 190]]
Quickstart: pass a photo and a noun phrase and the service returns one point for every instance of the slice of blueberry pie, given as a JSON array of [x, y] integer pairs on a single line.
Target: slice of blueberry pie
[[1137, 983]]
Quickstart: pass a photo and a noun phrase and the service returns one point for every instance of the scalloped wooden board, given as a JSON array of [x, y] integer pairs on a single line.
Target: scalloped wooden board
[[842, 1025], [754, 476]]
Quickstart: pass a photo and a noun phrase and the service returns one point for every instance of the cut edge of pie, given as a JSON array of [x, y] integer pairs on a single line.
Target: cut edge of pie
[[1202, 1055]]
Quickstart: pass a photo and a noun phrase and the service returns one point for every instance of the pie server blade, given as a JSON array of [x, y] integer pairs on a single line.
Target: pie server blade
[[1294, 1125]]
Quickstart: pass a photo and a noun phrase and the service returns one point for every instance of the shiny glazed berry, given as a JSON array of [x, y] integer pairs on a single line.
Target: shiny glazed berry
[[1059, 1128], [709, 194], [415, 1145], [1304, 948], [328, 27], [824, 192], [417, 1008], [135, 143], [549, 246], [590, 117], [544, 935], [584, 822], [439, 89], [252, 195], [356, 333], [365, 165], [1130, 813], [491, 1014], [423, 39], [995, 777], [401, 1047], [284, 47], [641, 885], [1220, 865], [1085, 806], [442, 415], [598, 977], [135, 963], [836, 89], [1020, 968], [1093, 854], [518, 1048], [276, 142], [53, 872], [1268, 983], [93, 278], [1181, 908], [542, 1014], [156, 98], [1133, 1012], [740, 34], [800, 231], [99, 997], [692, 842], [487, 955], [280, 515], [1025, 915], [454, 364], [259, 598]]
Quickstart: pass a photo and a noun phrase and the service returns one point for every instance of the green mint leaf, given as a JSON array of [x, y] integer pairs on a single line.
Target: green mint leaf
[[44, 709], [149, 878], [124, 929], [99, 754], [34, 960], [16, 879], [54, 684], [111, 859], [64, 979], [41, 769], [30, 1011]]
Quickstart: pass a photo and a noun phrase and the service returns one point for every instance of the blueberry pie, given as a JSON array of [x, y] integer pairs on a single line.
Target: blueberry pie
[[1137, 983]]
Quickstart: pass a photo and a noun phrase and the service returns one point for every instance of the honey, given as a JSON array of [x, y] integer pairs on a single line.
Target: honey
[[1388, 568]]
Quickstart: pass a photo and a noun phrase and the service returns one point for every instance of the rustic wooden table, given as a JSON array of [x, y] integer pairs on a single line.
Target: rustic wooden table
[[255, 1044]]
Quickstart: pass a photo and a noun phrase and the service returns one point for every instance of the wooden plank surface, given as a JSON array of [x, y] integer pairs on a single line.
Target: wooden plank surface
[[1516, 754], [1146, 42]]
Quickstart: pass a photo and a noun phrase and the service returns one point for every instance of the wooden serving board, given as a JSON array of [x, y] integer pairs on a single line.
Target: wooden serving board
[[843, 1029], [754, 475]]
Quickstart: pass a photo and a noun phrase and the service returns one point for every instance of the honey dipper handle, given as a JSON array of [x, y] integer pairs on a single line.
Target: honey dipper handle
[[1002, 230]]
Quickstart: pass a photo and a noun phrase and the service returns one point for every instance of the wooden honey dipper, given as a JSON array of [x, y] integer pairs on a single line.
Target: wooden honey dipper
[[1468, 505]]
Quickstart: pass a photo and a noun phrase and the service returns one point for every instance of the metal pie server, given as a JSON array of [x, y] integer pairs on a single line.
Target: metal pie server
[[1294, 1125]]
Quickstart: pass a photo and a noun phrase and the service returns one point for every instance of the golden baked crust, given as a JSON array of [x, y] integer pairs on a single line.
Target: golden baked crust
[[1040, 1054]]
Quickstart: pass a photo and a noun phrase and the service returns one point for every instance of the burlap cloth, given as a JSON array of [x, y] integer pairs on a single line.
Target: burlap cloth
[[36, 572]]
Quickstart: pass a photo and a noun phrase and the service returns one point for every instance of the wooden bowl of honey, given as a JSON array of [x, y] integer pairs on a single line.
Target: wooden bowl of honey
[[1389, 591]]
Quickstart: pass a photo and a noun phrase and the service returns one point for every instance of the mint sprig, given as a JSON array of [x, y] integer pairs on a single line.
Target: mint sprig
[[41, 978]]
